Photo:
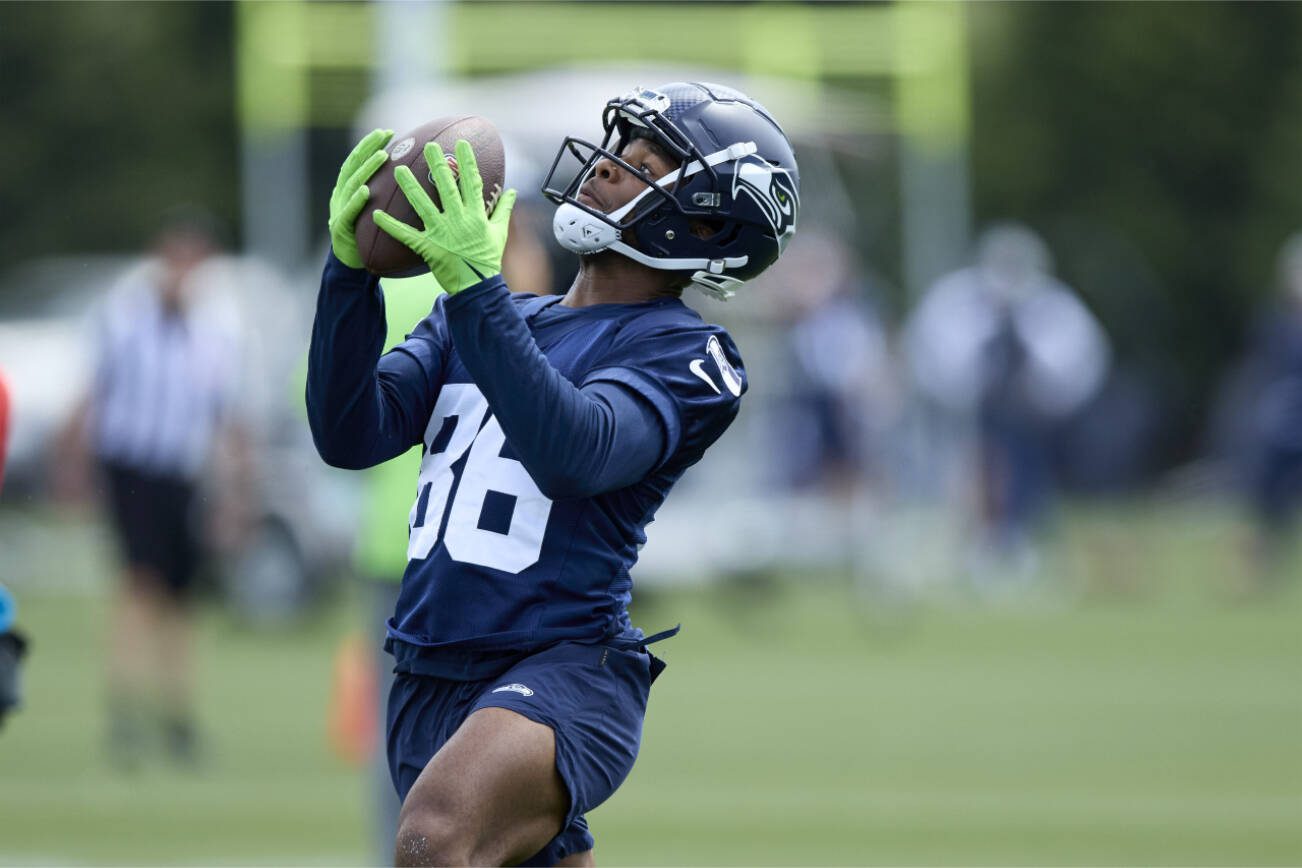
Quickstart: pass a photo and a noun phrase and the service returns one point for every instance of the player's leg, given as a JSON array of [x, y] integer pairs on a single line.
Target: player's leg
[[535, 749], [176, 678], [127, 654], [490, 796], [178, 555], [132, 617], [131, 671], [129, 674]]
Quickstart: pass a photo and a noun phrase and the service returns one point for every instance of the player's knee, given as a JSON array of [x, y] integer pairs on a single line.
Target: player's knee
[[427, 838]]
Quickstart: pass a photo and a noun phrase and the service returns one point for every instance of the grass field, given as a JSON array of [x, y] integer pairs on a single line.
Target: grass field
[[1137, 711]]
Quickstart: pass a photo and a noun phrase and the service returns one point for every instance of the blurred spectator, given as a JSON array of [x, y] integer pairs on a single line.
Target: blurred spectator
[[838, 366], [13, 647], [4, 425], [527, 261], [1274, 413], [381, 555], [1006, 350], [161, 402], [12, 644]]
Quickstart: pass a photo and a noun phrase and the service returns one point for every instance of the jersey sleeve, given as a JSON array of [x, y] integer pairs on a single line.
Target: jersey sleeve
[[365, 408], [573, 442], [427, 346], [693, 377]]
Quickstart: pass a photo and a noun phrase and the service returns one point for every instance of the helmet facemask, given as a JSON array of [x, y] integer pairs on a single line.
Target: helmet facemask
[[659, 227]]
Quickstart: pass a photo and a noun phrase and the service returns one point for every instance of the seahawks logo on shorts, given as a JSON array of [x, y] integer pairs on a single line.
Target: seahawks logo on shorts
[[774, 192], [514, 688]]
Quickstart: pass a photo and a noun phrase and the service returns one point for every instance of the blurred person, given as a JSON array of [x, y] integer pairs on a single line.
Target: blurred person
[[13, 645], [161, 399], [552, 428], [381, 555], [839, 368], [4, 424], [1007, 351], [527, 265], [1274, 431], [531, 263], [13, 648]]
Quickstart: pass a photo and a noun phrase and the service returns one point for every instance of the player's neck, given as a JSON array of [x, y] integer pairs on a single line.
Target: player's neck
[[609, 278]]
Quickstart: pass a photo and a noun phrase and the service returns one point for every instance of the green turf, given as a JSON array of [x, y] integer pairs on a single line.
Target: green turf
[[1139, 711]]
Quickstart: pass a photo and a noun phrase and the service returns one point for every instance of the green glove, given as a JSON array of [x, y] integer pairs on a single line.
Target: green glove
[[461, 244], [350, 194]]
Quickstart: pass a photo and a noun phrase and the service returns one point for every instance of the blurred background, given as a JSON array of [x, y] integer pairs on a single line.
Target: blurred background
[[997, 566]]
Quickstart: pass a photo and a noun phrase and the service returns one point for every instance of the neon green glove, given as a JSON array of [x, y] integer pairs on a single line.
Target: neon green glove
[[350, 194], [461, 244]]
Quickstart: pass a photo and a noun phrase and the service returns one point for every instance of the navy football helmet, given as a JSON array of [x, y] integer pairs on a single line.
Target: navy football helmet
[[722, 217]]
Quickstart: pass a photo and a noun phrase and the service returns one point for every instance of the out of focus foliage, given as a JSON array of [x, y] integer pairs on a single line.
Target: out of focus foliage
[[1158, 146], [112, 112]]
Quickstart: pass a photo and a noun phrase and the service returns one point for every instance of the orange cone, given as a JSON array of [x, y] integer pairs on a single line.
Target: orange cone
[[353, 724]]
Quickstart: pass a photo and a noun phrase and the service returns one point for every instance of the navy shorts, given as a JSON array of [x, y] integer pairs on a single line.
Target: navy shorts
[[593, 697], [152, 518]]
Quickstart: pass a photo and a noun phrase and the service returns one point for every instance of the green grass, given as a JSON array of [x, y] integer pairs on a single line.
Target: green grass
[[1138, 712]]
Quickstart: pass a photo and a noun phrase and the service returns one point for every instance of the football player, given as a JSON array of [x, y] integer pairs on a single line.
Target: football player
[[552, 428]]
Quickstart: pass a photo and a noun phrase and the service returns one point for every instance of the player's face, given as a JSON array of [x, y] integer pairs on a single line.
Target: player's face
[[180, 253], [611, 185]]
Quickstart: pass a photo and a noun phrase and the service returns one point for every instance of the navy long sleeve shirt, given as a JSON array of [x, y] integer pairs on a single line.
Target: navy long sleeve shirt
[[550, 435], [574, 442]]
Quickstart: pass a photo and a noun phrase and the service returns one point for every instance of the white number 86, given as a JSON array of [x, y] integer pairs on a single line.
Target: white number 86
[[454, 428]]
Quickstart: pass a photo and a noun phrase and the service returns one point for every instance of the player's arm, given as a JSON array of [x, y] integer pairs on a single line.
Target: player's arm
[[363, 409], [574, 442]]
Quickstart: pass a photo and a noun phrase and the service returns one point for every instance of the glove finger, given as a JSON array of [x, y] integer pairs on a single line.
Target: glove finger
[[370, 143], [374, 140], [416, 195], [502, 211], [355, 205], [472, 185], [441, 172], [345, 215], [369, 168], [396, 229]]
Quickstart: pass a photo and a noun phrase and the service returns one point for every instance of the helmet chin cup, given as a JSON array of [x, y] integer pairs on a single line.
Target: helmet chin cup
[[718, 286], [581, 232]]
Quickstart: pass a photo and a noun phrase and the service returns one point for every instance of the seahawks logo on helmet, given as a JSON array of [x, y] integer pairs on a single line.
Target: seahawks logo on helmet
[[774, 192]]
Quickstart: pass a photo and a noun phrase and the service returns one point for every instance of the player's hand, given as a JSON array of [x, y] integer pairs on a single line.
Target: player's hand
[[461, 244], [350, 194]]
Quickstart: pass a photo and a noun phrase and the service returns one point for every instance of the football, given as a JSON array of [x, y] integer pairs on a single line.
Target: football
[[383, 255]]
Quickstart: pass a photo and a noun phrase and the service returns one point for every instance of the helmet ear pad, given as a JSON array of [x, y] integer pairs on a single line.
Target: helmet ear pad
[[706, 228], [736, 227]]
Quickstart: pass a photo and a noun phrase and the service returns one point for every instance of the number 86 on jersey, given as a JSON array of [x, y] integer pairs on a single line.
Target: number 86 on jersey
[[457, 428]]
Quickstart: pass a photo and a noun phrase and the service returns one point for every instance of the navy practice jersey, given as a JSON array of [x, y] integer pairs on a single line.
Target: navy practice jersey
[[494, 564]]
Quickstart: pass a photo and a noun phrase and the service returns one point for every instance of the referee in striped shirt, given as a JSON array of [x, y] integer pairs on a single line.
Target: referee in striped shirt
[[160, 400]]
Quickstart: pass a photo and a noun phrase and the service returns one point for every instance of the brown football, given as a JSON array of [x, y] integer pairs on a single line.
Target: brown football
[[385, 256]]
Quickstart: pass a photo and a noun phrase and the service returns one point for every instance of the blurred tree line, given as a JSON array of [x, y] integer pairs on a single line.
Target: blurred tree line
[[1158, 147], [112, 112]]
